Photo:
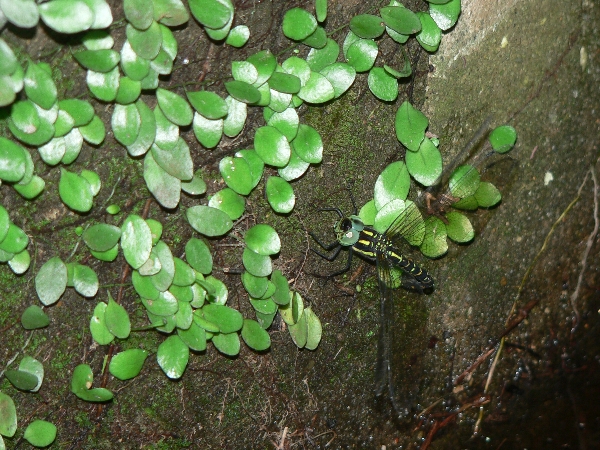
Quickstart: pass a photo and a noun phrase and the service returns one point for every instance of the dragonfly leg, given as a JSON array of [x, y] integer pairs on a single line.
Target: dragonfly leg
[[345, 268], [337, 210]]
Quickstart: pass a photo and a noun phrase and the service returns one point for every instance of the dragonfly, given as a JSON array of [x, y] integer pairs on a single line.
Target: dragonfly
[[394, 370]]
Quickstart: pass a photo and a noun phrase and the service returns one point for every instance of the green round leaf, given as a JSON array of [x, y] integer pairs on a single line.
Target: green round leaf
[[101, 12], [254, 336], [34, 367], [174, 107], [75, 191], [367, 26], [22, 13], [459, 227], [267, 306], [104, 86], [265, 63], [308, 144], [64, 124], [98, 60], [400, 19], [317, 89], [340, 75], [40, 433], [51, 281], [196, 186], [272, 146], [139, 13], [4, 222], [257, 265], [134, 66], [24, 116], [209, 104], [208, 221], [67, 16], [227, 319], [298, 24], [101, 237], [184, 274], [280, 195], [172, 356], [109, 255], [176, 161], [487, 195], [244, 71], [20, 262], [255, 163], [23, 381], [97, 40], [410, 126], [284, 82], [81, 111], [243, 92], [213, 14], [129, 91], [430, 35], [12, 161], [15, 240], [197, 254], [295, 168], [238, 36], [318, 59], [117, 320], [228, 201], [164, 305], [194, 337], [297, 67], [314, 329], [503, 138], [94, 132], [228, 344], [382, 85], [127, 364], [136, 240], [318, 39], [263, 239], [93, 179], [299, 331], [171, 13], [237, 175], [8, 424], [236, 117], [445, 15], [286, 122], [85, 280], [464, 181], [98, 328], [434, 244], [53, 152], [425, 165], [82, 380], [393, 183], [165, 188], [149, 127], [145, 43], [34, 317], [362, 54], [255, 286], [208, 132]]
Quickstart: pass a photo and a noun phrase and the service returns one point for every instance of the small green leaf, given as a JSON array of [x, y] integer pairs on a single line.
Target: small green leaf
[[228, 344], [196, 186], [285, 83], [85, 280], [228, 201], [340, 75], [425, 165], [459, 227], [51, 281], [317, 89], [408, 213], [139, 13], [12, 161], [98, 60], [127, 364], [20, 262], [101, 237], [367, 26], [194, 337], [208, 221], [8, 424], [171, 13], [81, 383], [299, 331], [134, 66], [286, 122], [104, 86], [34, 317], [362, 54], [272, 146], [430, 35], [255, 162], [308, 144], [209, 104], [100, 332], [263, 239], [22, 380], [227, 319], [280, 195], [165, 188], [39, 86], [282, 288], [503, 138], [383, 85], [213, 14], [129, 91], [146, 43], [172, 356], [393, 183], [257, 265], [314, 329], [236, 117], [317, 40], [174, 107], [464, 181], [410, 126], [243, 92], [400, 19], [40, 433], [22, 13], [237, 175], [254, 336], [487, 195], [177, 161], [298, 24], [208, 132], [136, 240], [198, 256], [445, 15], [298, 67], [15, 240], [81, 111], [238, 36], [117, 319], [321, 10], [255, 286], [97, 40]]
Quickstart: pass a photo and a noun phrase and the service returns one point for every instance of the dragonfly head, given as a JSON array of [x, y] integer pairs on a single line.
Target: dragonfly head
[[348, 230]]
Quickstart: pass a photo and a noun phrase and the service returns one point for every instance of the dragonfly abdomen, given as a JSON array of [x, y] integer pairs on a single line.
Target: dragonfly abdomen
[[370, 243]]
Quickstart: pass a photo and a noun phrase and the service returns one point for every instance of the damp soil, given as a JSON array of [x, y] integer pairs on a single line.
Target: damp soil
[[526, 277]]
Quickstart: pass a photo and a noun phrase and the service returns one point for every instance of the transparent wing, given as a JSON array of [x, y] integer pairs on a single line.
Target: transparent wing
[[409, 225], [394, 372]]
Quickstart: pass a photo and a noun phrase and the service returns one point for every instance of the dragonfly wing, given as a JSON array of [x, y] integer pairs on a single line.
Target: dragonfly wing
[[409, 225], [393, 370]]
